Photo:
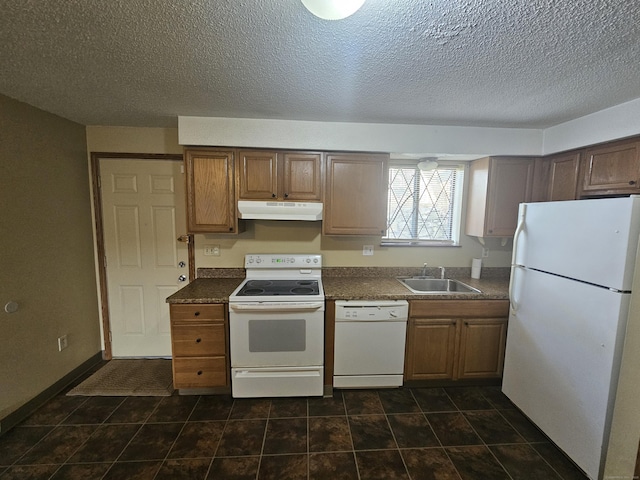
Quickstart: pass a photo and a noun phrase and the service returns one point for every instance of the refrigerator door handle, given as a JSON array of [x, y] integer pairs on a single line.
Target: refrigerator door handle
[[519, 229], [512, 298]]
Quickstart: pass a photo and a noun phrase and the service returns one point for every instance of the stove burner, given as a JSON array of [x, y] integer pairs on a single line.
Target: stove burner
[[259, 283], [301, 290], [254, 291]]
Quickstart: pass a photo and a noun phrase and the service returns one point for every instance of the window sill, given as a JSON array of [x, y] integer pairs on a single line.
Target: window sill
[[417, 243]]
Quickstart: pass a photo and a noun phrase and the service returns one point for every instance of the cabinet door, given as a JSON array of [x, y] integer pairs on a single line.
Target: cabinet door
[[210, 191], [431, 349], [612, 169], [302, 176], [541, 175], [563, 176], [482, 343], [355, 194], [510, 183], [257, 175]]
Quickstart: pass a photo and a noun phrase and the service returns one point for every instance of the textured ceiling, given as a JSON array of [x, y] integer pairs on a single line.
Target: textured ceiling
[[519, 63]]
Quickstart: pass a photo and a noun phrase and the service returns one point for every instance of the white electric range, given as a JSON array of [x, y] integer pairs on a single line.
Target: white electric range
[[276, 327]]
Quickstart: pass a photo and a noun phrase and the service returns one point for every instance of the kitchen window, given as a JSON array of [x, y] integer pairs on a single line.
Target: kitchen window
[[424, 206]]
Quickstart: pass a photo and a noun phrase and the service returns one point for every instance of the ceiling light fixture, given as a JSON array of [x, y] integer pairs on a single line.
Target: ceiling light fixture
[[428, 163], [333, 9]]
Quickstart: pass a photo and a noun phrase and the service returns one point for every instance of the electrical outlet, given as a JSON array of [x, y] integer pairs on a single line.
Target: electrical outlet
[[485, 252], [62, 343], [367, 250], [212, 250]]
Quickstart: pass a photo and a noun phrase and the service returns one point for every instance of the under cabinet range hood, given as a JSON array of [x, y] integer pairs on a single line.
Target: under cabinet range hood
[[257, 210]]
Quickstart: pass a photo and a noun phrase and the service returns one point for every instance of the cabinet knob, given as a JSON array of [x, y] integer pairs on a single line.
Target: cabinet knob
[[632, 182], [286, 195], [198, 340], [273, 195], [199, 372], [196, 314], [231, 229]]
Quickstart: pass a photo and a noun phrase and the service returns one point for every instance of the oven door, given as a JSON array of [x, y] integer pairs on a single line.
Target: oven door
[[273, 334]]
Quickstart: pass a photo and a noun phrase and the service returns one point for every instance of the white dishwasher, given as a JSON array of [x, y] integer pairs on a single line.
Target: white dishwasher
[[369, 343]]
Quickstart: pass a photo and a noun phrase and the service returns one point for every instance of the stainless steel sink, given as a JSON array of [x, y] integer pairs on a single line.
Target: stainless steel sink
[[436, 285]]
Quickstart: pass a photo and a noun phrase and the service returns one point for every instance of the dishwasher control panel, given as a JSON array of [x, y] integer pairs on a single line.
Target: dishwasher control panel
[[371, 310]]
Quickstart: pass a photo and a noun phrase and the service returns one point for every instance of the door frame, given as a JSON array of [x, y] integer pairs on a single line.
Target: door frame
[[99, 226]]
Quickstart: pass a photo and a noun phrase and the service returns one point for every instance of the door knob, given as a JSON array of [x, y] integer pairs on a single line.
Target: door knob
[[182, 264], [182, 278]]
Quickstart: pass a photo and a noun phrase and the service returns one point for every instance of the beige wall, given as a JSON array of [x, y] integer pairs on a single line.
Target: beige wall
[[47, 252], [298, 237]]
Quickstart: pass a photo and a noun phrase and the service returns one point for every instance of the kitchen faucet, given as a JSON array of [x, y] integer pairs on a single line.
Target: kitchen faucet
[[441, 272], [424, 270]]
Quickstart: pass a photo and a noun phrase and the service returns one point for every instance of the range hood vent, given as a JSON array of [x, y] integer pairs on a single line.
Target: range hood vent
[[256, 210]]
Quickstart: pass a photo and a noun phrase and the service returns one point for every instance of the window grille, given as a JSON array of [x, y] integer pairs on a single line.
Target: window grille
[[424, 206]]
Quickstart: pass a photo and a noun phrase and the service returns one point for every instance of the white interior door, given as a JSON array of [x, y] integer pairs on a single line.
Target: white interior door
[[143, 215]]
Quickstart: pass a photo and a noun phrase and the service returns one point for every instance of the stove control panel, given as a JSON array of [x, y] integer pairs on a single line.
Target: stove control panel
[[282, 261]]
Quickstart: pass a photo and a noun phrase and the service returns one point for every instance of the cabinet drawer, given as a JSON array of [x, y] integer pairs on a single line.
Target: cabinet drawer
[[199, 372], [198, 340], [456, 309], [203, 311]]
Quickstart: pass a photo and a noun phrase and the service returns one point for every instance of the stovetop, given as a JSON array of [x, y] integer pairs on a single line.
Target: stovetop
[[268, 288]]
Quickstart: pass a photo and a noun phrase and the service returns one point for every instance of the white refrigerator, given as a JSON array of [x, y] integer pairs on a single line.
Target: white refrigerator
[[570, 291]]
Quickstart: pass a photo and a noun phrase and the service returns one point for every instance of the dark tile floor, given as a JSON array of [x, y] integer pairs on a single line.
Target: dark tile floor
[[419, 433]]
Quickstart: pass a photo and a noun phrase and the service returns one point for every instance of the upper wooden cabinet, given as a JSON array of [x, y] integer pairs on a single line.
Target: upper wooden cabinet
[[563, 176], [612, 169], [355, 194], [211, 204], [268, 174], [497, 186]]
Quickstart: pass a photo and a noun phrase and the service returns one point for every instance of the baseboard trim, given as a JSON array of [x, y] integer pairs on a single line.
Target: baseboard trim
[[17, 416]]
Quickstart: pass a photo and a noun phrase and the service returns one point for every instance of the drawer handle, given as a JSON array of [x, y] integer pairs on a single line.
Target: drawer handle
[[632, 182], [196, 314], [199, 372], [198, 340]]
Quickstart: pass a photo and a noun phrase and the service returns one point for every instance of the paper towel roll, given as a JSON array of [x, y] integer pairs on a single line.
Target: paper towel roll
[[476, 267]]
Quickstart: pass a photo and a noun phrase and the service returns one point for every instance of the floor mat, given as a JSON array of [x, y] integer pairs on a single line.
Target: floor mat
[[129, 377]]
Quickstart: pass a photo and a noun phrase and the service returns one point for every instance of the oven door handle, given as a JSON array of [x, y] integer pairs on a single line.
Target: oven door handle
[[276, 307]]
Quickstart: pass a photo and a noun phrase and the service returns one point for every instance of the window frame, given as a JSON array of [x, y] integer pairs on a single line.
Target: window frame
[[458, 200]]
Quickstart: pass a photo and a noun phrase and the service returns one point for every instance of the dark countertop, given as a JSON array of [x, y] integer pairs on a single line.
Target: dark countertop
[[389, 288], [206, 290], [217, 290]]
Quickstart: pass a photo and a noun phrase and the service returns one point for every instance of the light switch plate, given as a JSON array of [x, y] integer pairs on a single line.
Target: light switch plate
[[367, 250], [212, 250]]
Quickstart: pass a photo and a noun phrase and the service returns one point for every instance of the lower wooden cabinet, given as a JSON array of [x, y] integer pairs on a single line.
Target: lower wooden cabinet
[[482, 342], [456, 340], [199, 345]]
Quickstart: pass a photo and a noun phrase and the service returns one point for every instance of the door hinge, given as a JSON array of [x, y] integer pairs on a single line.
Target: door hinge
[[110, 337], [99, 181], [105, 261]]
